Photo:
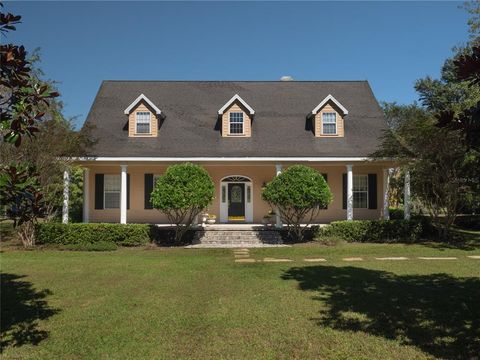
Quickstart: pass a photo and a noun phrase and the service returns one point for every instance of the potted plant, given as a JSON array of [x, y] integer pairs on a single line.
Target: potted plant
[[266, 219], [211, 219], [269, 219]]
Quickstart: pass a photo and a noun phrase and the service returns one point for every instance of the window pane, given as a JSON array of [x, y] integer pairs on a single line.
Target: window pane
[[112, 191], [360, 199], [224, 196], [329, 121], [329, 129], [249, 194], [329, 118], [360, 183], [143, 122], [112, 200], [112, 182], [236, 123], [360, 191]]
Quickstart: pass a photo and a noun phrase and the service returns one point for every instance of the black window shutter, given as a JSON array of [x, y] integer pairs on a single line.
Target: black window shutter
[[344, 191], [372, 191], [325, 176], [148, 190], [128, 191], [99, 180]]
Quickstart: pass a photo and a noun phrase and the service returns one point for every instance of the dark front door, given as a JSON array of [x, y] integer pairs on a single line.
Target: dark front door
[[236, 202]]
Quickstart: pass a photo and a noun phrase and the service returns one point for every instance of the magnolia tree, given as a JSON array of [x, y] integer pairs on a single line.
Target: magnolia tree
[[181, 194], [299, 193], [21, 199]]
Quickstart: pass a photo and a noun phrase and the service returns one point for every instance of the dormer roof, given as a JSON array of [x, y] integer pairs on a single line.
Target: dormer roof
[[236, 97], [137, 100], [327, 99]]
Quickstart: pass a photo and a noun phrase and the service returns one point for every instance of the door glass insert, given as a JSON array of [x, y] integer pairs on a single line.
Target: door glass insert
[[236, 194]]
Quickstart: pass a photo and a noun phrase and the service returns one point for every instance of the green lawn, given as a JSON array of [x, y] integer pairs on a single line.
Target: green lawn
[[179, 304]]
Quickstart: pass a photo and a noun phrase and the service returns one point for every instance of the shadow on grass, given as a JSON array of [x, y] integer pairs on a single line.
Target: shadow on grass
[[461, 239], [437, 313], [21, 309]]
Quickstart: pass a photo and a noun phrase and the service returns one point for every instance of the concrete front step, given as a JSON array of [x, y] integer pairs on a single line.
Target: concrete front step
[[228, 238]]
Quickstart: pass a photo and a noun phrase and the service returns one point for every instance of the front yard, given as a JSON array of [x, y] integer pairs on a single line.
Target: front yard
[[178, 303]]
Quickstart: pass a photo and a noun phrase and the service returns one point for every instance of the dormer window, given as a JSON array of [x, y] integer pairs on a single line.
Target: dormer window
[[236, 118], [328, 118], [329, 123], [143, 117], [236, 123], [142, 124]]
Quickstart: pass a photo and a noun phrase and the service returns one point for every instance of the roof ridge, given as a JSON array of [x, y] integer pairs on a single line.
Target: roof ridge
[[231, 81]]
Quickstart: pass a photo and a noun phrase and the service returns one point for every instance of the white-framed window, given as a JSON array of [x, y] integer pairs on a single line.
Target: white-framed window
[[111, 191], [360, 191], [329, 123], [142, 122], [236, 123]]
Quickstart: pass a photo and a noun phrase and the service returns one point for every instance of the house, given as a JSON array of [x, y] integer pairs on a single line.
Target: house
[[243, 133]]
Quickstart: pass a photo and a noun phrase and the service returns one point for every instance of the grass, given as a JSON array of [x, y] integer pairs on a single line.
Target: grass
[[197, 304]]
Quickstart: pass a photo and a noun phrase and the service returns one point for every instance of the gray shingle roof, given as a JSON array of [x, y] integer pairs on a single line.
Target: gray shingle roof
[[279, 126]]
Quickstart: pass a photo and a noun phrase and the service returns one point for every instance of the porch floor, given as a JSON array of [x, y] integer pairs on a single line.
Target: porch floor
[[232, 226]]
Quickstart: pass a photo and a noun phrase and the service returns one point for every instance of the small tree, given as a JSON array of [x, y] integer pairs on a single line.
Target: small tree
[[21, 199], [181, 194], [299, 193]]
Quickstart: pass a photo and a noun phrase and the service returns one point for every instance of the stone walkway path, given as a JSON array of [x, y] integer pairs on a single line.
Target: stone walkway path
[[243, 256]]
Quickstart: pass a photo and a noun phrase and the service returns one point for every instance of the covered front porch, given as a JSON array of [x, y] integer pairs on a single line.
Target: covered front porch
[[118, 190]]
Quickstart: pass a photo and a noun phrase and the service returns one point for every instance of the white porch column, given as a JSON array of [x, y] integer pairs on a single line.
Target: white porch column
[[86, 194], [278, 219], [386, 187], [406, 196], [123, 194], [66, 186], [349, 192]]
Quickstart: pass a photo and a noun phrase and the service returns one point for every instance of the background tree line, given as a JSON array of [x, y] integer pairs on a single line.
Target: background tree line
[[36, 140], [438, 139]]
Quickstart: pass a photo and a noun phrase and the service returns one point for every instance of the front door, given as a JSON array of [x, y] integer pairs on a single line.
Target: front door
[[236, 202]]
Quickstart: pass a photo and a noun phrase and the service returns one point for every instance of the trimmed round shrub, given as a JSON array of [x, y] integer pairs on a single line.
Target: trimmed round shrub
[[299, 193], [182, 193]]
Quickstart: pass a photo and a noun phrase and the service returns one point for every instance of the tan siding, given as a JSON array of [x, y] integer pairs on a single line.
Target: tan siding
[[247, 120], [329, 107], [142, 106], [259, 174]]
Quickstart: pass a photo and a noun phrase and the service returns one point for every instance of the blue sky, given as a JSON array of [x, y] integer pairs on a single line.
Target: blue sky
[[391, 44]]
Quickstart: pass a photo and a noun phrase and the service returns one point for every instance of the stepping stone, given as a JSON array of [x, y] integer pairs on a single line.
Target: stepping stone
[[473, 256], [392, 258], [353, 259], [276, 260], [437, 258], [241, 252], [315, 260], [245, 260], [242, 255]]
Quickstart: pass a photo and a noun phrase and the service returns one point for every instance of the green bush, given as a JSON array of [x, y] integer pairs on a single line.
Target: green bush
[[298, 193], [470, 222], [181, 193], [374, 230], [98, 246], [68, 234], [396, 213]]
